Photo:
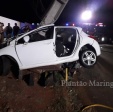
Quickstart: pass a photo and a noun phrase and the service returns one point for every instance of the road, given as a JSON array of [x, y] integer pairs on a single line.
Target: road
[[102, 72]]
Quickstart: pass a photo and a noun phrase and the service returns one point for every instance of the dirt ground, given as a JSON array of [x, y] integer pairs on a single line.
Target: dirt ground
[[17, 96], [31, 94]]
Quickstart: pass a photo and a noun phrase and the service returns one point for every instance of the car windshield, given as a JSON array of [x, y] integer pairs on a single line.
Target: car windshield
[[20, 35], [12, 38]]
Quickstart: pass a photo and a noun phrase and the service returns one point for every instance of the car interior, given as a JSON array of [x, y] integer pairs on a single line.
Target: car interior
[[65, 41]]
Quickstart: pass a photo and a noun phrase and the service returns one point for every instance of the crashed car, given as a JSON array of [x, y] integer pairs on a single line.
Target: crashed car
[[49, 45]]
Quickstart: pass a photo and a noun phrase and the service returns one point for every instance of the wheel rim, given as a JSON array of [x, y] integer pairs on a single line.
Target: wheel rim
[[89, 58]]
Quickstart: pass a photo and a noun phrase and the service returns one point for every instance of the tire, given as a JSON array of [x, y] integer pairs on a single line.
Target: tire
[[1, 66], [4, 66], [88, 58], [15, 70]]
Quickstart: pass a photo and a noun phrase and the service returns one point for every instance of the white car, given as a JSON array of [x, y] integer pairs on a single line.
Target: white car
[[49, 45]]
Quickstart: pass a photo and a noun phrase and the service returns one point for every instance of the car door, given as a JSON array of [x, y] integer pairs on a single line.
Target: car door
[[65, 41], [39, 50]]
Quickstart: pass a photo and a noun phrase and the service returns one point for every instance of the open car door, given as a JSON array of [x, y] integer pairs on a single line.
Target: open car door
[[66, 42]]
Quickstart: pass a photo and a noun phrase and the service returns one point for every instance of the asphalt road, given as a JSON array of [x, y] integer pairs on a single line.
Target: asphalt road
[[98, 80]]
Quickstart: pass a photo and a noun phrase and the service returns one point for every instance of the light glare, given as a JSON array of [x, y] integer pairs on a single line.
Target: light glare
[[103, 39], [67, 24], [86, 15]]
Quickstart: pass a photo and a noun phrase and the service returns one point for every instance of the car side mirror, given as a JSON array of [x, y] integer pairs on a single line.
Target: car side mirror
[[26, 39]]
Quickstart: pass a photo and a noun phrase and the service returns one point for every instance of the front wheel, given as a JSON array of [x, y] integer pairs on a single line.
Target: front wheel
[[88, 58], [4, 66]]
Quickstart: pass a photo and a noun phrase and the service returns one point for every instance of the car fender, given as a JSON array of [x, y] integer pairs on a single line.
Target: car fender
[[97, 47], [82, 43], [10, 51]]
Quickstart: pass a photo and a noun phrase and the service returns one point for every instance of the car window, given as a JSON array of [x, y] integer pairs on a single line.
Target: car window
[[39, 35]]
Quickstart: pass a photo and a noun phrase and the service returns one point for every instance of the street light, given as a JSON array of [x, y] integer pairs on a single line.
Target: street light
[[86, 15]]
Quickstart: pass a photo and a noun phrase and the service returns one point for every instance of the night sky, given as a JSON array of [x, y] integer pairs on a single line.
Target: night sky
[[26, 10], [102, 11]]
